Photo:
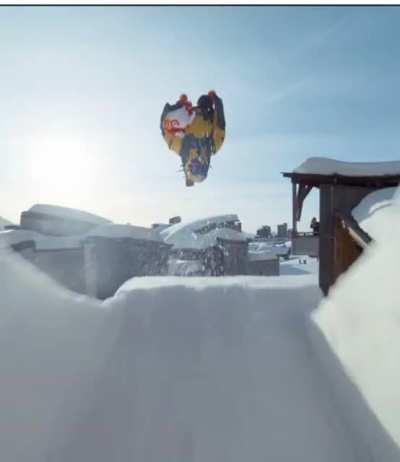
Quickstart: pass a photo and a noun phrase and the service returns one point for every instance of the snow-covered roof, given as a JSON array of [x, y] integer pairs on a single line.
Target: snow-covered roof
[[371, 213], [326, 166], [4, 222], [197, 224], [69, 213], [191, 240], [46, 242], [42, 241], [112, 230], [194, 235]]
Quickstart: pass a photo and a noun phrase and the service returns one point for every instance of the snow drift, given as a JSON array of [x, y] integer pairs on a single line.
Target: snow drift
[[361, 316], [180, 369], [47, 352]]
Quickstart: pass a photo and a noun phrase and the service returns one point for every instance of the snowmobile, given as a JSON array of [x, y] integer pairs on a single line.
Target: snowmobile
[[195, 133]]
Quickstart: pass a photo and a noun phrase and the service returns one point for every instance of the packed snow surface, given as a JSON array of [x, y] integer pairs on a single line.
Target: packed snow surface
[[361, 319], [175, 369], [326, 166]]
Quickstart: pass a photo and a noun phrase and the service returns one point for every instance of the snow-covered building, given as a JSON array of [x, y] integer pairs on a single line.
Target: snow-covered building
[[214, 245], [342, 186], [54, 220], [84, 252]]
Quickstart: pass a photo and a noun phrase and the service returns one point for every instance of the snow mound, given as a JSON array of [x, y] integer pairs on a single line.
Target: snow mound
[[360, 319], [175, 369], [326, 166], [49, 349]]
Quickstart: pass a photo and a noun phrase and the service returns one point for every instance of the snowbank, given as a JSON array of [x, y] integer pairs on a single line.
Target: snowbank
[[182, 369], [217, 369], [250, 282], [326, 166], [361, 319], [48, 351]]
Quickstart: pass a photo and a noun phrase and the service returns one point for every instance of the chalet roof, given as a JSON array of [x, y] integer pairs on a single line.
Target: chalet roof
[[321, 170]]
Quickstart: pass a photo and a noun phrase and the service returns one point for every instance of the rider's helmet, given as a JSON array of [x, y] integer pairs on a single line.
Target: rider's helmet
[[205, 104]]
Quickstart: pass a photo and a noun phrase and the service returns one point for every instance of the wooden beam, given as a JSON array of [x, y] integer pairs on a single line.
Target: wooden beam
[[362, 238], [294, 208], [376, 181], [303, 192]]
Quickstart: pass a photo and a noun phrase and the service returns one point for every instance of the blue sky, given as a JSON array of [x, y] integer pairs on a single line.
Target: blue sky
[[82, 89]]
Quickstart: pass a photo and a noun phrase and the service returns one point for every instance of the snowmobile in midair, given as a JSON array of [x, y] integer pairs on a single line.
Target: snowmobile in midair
[[195, 133]]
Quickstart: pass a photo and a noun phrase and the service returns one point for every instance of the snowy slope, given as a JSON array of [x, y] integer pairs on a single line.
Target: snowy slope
[[47, 349], [172, 369], [360, 320]]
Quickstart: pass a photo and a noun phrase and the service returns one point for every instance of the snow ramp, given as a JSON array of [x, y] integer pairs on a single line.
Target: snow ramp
[[226, 369]]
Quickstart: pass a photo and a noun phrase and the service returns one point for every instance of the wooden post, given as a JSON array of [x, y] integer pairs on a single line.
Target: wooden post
[[294, 207]]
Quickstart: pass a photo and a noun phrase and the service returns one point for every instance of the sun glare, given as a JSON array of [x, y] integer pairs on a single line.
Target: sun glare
[[61, 164]]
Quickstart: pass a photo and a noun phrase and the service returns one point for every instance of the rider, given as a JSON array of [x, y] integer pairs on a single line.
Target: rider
[[201, 138]]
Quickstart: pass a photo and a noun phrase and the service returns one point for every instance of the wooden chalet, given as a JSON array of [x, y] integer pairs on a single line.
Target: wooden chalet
[[342, 185]]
